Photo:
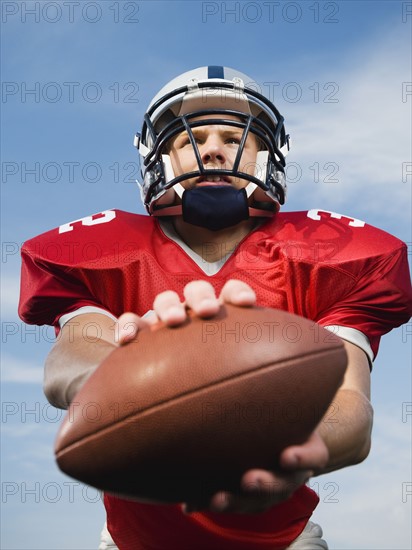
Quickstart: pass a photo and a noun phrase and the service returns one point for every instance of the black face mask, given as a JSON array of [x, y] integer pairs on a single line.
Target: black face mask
[[215, 207]]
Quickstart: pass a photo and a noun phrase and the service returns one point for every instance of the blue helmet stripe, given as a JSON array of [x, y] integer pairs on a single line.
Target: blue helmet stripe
[[215, 71]]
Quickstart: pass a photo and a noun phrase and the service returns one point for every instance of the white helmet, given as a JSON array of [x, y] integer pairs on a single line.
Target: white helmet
[[215, 91]]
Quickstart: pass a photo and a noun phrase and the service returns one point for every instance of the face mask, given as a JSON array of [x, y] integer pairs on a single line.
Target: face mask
[[215, 207]]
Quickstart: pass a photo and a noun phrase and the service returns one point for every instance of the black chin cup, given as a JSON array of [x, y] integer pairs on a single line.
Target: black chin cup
[[215, 207]]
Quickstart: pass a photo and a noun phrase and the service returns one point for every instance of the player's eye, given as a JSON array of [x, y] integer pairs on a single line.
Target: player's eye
[[199, 137], [233, 141], [182, 140]]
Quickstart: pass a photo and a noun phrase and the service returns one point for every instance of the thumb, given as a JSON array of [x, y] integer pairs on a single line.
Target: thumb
[[127, 327]]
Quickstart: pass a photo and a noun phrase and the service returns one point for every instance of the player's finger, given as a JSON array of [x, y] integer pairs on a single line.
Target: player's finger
[[169, 309], [313, 454], [201, 298], [261, 490], [238, 293], [252, 503], [127, 326], [273, 484]]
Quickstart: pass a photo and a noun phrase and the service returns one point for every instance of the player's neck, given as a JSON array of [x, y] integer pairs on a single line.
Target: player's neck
[[212, 246]]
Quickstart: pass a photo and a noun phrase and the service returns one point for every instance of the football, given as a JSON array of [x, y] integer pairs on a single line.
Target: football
[[181, 413]]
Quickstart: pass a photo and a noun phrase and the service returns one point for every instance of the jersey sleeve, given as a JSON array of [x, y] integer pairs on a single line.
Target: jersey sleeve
[[379, 300], [49, 290]]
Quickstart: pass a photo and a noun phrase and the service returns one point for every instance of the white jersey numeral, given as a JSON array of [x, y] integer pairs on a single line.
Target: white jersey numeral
[[103, 217], [354, 222]]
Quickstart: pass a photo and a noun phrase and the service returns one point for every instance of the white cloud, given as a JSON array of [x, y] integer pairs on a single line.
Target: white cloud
[[20, 371], [17, 430], [373, 507], [10, 292], [366, 134]]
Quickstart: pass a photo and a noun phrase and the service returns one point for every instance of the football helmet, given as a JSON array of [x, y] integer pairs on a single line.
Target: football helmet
[[214, 92]]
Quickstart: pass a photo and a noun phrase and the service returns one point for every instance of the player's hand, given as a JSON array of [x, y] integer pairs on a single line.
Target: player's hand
[[199, 296], [262, 489]]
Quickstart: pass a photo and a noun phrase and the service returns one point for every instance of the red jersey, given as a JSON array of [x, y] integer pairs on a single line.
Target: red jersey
[[332, 269]]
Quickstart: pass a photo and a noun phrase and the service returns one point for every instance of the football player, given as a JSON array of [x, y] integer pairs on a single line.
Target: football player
[[213, 179]]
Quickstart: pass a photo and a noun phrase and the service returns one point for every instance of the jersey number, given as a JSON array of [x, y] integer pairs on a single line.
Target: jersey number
[[354, 222], [96, 219]]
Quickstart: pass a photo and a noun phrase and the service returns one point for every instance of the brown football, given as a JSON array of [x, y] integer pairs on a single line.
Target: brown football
[[181, 413]]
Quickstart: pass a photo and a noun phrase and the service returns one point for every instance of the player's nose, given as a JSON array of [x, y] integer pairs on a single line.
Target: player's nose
[[213, 150]]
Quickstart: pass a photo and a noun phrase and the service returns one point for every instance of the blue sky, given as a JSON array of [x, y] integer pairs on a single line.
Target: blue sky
[[76, 78]]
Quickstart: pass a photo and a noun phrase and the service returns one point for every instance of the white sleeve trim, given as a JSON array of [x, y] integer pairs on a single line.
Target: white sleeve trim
[[353, 336], [85, 309]]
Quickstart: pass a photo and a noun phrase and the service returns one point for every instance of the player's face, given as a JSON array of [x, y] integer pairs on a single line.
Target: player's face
[[218, 146]]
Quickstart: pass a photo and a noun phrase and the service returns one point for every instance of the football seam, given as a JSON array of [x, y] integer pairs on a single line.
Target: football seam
[[153, 408]]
